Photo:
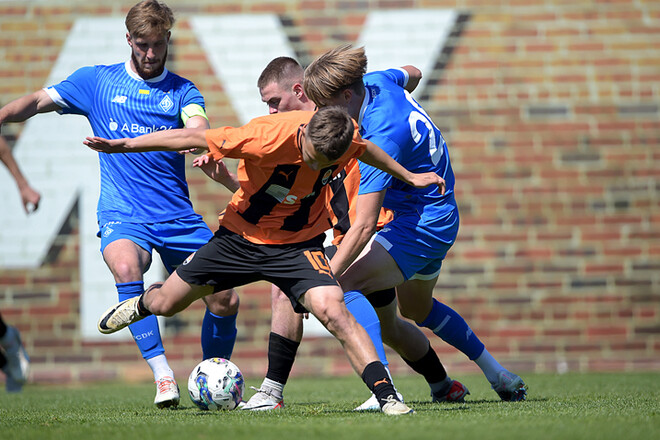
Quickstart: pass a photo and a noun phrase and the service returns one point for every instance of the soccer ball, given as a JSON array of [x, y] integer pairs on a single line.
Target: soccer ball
[[216, 384]]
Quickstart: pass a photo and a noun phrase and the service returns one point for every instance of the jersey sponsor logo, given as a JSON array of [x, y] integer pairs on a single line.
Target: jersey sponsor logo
[[144, 92], [120, 99]]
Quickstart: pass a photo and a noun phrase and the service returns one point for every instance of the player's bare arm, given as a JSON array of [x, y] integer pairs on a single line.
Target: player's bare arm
[[414, 77], [25, 107], [376, 157], [165, 140], [358, 235]]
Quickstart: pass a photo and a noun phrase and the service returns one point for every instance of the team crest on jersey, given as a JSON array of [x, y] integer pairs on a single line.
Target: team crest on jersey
[[326, 177], [189, 259], [166, 103]]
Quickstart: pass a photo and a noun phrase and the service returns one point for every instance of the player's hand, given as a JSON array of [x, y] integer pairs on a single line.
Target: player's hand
[[217, 170], [30, 199], [103, 145], [422, 180]]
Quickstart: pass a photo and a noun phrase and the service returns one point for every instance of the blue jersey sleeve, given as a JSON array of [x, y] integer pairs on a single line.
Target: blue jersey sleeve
[[192, 96], [398, 76], [372, 179], [77, 91]]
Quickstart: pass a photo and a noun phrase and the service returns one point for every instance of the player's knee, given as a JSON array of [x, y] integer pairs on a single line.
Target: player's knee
[[413, 313], [126, 272], [338, 321], [223, 303]]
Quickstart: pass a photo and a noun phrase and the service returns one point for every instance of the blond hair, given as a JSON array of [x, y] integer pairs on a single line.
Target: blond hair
[[149, 17], [331, 131], [336, 70]]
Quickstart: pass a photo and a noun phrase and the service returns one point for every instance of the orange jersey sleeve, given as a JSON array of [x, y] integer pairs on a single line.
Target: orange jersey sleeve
[[280, 200]]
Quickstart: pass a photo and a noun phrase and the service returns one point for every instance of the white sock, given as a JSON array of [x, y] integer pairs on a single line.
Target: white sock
[[160, 367], [275, 388], [441, 387], [489, 366]]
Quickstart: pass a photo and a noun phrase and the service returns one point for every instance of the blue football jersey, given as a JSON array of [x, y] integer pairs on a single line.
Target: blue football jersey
[[137, 187], [392, 119]]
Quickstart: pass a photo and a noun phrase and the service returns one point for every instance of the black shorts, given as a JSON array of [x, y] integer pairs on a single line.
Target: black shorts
[[229, 260]]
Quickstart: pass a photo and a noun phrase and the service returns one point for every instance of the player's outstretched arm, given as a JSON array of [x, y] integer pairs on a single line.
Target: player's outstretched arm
[[29, 196], [376, 157], [165, 140]]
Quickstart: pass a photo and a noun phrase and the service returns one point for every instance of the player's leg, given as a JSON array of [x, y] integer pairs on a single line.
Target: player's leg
[[180, 238], [327, 305], [128, 261], [360, 307], [371, 272], [219, 324], [286, 331], [14, 360], [417, 303]]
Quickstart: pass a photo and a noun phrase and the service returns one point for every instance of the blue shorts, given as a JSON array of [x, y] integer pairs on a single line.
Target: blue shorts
[[419, 246], [174, 240]]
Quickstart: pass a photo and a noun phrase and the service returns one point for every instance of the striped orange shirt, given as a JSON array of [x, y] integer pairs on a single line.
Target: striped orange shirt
[[280, 200]]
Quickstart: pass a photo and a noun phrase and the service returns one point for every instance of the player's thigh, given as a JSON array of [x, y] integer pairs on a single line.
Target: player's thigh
[[415, 298], [126, 260], [175, 295], [285, 321], [374, 270]]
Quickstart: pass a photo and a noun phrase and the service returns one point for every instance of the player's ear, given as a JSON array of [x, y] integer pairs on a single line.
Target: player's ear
[[298, 90], [347, 94], [128, 39]]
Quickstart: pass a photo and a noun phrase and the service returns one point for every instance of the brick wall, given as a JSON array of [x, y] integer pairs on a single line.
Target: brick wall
[[550, 109]]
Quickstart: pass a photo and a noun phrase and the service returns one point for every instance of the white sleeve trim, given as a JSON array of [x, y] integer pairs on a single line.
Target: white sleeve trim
[[405, 73], [55, 96]]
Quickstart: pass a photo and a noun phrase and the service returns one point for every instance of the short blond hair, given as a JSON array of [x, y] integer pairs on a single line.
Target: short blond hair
[[336, 70], [149, 17]]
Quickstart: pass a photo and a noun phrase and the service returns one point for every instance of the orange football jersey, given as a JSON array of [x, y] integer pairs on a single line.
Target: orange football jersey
[[281, 199]]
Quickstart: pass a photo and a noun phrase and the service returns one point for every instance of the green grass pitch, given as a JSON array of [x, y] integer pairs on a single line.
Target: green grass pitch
[[621, 406]]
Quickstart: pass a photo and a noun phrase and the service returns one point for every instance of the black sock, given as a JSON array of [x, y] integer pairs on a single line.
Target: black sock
[[281, 354], [429, 366], [3, 360], [378, 381], [142, 309]]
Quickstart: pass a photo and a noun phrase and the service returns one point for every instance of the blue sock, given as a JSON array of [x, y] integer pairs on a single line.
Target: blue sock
[[452, 328], [218, 335], [145, 332], [366, 316]]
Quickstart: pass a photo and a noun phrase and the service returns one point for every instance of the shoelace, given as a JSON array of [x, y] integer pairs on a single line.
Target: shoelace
[[123, 314], [165, 384], [265, 391]]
